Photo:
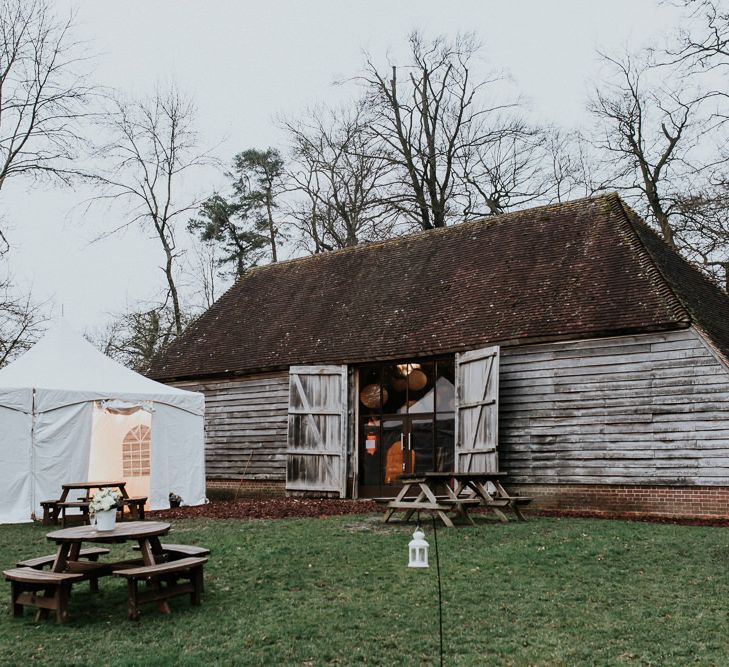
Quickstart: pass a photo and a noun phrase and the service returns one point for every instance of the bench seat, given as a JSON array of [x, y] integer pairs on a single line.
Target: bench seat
[[135, 505], [82, 505], [50, 511], [177, 551], [89, 568], [26, 583], [163, 582], [40, 562]]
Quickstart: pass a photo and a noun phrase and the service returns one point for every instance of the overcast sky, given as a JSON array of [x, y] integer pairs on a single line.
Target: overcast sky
[[245, 63]]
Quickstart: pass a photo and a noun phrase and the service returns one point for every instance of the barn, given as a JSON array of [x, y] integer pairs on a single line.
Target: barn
[[567, 345]]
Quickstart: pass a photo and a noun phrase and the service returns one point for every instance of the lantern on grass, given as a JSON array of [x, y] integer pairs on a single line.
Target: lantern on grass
[[418, 549]]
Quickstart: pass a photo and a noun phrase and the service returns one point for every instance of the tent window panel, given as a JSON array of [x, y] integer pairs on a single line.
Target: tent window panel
[[135, 451]]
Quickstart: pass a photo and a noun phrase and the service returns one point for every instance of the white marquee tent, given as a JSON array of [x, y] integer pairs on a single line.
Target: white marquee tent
[[63, 405]]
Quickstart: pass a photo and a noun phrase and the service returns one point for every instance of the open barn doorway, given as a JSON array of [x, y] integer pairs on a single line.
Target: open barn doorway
[[406, 422], [121, 442]]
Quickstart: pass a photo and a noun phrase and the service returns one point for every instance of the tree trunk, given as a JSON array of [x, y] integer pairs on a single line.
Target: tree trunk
[[173, 293], [661, 217], [169, 256], [271, 228]]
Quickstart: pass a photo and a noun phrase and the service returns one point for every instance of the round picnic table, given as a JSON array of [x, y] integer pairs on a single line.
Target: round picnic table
[[146, 533], [128, 530]]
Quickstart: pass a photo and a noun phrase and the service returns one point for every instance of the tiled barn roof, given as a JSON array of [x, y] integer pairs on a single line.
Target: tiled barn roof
[[575, 270]]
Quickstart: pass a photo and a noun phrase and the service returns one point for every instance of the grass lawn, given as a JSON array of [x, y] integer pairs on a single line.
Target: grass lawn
[[336, 591]]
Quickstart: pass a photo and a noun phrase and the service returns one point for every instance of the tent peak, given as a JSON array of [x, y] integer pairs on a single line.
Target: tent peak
[[64, 361]]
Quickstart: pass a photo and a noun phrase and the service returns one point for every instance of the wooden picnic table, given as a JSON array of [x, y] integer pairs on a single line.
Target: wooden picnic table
[[167, 570], [88, 486], [146, 533], [444, 492], [55, 509]]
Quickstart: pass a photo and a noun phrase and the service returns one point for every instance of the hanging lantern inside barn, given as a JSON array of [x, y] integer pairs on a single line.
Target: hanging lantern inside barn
[[417, 380], [373, 396], [418, 549]]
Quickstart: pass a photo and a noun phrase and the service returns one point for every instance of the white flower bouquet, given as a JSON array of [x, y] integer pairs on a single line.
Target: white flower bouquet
[[104, 500]]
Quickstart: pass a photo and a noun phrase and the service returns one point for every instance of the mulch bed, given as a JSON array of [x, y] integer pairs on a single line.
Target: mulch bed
[[287, 508], [269, 508]]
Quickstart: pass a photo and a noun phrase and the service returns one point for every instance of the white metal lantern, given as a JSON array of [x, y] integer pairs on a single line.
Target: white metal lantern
[[418, 550]]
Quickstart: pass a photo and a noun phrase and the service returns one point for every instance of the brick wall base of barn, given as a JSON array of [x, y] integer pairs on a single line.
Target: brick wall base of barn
[[224, 489], [705, 502]]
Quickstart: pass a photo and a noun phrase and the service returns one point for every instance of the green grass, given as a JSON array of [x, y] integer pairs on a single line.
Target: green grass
[[336, 591]]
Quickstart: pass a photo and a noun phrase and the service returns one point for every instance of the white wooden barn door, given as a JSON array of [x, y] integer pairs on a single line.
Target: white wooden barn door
[[477, 410], [317, 430]]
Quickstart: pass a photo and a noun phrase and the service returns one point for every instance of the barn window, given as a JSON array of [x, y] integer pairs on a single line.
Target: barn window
[[135, 451]]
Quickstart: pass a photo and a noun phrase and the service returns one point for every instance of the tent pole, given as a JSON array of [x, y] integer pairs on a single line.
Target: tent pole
[[32, 457]]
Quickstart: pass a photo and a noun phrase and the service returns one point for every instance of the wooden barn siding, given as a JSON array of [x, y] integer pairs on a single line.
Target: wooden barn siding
[[641, 409], [245, 426]]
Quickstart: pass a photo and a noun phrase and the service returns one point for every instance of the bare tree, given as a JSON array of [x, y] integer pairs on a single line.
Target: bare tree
[[428, 120], [646, 139], [203, 264], [135, 337], [705, 228], [43, 91], [341, 180], [22, 319], [704, 39], [153, 146], [568, 167]]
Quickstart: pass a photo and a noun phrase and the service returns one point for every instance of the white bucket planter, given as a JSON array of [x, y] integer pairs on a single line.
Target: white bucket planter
[[106, 520]]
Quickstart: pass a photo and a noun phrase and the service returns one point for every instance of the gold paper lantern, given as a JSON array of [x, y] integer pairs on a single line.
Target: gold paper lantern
[[373, 396], [417, 380]]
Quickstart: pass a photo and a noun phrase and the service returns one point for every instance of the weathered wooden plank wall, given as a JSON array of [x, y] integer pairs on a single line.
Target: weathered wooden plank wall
[[634, 409], [245, 426]]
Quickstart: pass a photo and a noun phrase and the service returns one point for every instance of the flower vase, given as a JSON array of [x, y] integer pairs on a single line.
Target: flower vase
[[105, 520]]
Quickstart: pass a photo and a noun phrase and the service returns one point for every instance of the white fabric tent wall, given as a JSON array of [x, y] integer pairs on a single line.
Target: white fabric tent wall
[[177, 464], [61, 444], [46, 414], [16, 425]]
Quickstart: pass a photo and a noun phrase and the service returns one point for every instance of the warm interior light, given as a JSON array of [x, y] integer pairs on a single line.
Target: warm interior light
[[407, 368]]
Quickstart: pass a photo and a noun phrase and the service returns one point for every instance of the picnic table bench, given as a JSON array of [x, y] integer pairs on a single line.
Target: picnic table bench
[[26, 584], [53, 510], [163, 582], [463, 490]]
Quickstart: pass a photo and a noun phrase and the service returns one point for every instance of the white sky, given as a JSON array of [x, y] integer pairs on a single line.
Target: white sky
[[245, 63]]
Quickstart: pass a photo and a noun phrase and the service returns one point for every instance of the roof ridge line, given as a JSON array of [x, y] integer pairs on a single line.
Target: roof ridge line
[[435, 230], [673, 301]]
